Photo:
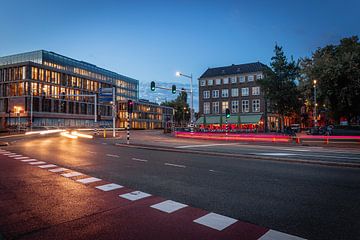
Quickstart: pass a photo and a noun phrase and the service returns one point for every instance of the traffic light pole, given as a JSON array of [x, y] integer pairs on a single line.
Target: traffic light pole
[[114, 112], [227, 127], [128, 129]]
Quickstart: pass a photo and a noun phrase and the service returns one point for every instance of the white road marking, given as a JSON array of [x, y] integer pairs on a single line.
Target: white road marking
[[91, 152], [296, 149], [13, 156], [215, 221], [208, 145], [71, 174], [139, 160], [29, 160], [134, 196], [276, 154], [55, 170], [89, 180], [47, 166], [169, 206], [275, 235], [112, 155], [109, 187], [37, 163], [175, 165], [104, 143], [19, 158]]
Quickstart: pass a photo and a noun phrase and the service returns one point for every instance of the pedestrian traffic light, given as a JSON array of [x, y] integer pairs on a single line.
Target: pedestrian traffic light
[[227, 113], [173, 89], [152, 86], [130, 106]]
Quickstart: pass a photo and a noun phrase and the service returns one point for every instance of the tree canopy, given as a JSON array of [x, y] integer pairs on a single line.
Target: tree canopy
[[182, 111]]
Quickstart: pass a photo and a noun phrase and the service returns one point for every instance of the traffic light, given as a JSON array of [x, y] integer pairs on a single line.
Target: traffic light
[[227, 113], [130, 106], [173, 89], [152, 86]]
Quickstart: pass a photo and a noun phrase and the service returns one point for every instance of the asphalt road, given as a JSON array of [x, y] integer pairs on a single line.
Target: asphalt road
[[307, 200]]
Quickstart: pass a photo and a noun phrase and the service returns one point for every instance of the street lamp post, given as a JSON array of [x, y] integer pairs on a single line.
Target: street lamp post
[[178, 74], [315, 115]]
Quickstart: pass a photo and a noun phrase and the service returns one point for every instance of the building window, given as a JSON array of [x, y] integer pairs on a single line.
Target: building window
[[244, 91], [256, 105], [206, 94], [226, 81], [259, 76], [245, 105], [224, 106], [235, 92], [250, 78], [215, 93], [206, 108], [255, 91], [218, 81], [202, 83], [235, 106], [225, 93], [215, 106], [233, 80], [241, 79], [210, 82]]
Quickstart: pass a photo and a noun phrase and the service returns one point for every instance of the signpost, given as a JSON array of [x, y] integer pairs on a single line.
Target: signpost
[[107, 95]]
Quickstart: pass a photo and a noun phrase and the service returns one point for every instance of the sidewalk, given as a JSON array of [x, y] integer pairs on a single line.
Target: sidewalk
[[39, 200]]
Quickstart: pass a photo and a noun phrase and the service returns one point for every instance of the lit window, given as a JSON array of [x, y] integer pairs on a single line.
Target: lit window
[[224, 106], [255, 91]]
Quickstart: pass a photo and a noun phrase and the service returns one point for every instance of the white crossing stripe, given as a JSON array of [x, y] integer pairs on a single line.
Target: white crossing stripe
[[136, 195], [109, 187], [47, 166], [19, 158], [215, 221], [88, 180], [29, 160], [140, 160], [175, 165], [169, 206], [71, 174], [13, 156], [208, 145], [275, 235], [37, 163], [9, 154], [55, 170], [112, 155], [276, 154]]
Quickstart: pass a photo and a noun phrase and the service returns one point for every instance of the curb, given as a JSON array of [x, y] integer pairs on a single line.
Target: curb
[[263, 158]]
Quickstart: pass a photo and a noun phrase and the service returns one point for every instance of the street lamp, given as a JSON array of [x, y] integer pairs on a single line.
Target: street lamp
[[315, 104], [178, 74]]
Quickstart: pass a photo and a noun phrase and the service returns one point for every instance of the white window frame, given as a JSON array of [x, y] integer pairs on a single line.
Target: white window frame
[[224, 106], [215, 107], [259, 76], [218, 81], [235, 106], [245, 106], [256, 105], [234, 92], [210, 82], [206, 107], [225, 80], [241, 79], [255, 91], [250, 78], [245, 92], [233, 80], [224, 93], [202, 83], [206, 94], [215, 93]]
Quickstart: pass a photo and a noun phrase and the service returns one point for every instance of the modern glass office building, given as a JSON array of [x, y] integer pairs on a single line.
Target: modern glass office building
[[53, 86]]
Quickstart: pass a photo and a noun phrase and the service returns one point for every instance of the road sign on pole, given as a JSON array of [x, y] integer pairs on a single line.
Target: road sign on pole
[[106, 95]]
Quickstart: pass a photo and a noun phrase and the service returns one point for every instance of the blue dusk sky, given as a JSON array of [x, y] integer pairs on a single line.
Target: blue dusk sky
[[151, 40]]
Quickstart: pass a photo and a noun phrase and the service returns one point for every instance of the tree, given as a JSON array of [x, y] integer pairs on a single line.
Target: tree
[[279, 85], [182, 111], [337, 71]]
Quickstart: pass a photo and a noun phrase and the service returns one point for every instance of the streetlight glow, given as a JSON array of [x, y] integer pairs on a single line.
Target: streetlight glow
[[178, 74]]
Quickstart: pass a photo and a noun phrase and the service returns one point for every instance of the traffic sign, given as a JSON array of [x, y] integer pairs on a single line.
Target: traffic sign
[[105, 92]]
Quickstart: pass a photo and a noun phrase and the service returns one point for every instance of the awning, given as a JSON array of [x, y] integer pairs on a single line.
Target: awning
[[234, 119]]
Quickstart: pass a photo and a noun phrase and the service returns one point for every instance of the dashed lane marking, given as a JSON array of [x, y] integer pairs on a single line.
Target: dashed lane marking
[[19, 158], [109, 187], [89, 180], [30, 160], [56, 170], [134, 196], [275, 235], [169, 206], [112, 155], [47, 166], [276, 154], [208, 145], [139, 160], [37, 163], [215, 221], [71, 174], [175, 165]]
